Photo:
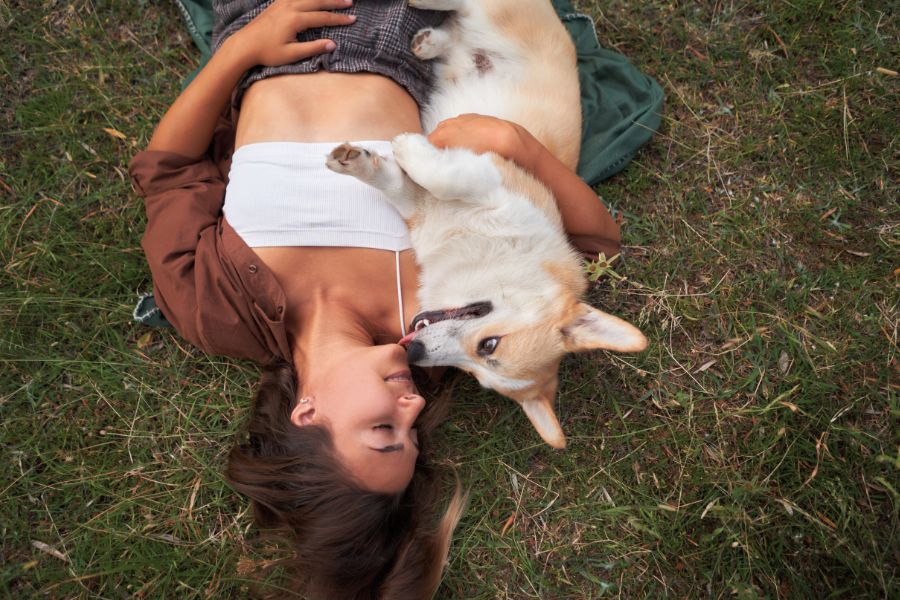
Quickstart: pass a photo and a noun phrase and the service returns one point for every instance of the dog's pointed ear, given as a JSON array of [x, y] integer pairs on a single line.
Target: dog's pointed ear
[[592, 329], [538, 405], [540, 413]]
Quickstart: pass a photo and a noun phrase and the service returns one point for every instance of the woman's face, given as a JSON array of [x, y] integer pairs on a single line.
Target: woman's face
[[369, 403]]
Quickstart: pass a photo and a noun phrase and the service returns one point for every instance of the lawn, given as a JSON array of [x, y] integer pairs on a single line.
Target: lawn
[[752, 451]]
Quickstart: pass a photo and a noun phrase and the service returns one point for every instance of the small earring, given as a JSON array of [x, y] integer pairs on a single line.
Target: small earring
[[305, 400]]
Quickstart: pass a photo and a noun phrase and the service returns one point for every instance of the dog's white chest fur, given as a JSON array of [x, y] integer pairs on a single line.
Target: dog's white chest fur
[[494, 243]]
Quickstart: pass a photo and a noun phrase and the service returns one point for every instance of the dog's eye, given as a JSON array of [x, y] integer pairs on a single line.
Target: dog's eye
[[488, 345]]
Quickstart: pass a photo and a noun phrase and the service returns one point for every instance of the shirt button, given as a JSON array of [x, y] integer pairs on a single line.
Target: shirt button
[[253, 268]]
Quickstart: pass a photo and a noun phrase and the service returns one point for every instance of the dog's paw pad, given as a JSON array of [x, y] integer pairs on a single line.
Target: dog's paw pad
[[346, 153], [350, 159]]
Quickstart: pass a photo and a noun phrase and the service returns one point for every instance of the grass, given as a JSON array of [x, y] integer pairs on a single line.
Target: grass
[[751, 452]]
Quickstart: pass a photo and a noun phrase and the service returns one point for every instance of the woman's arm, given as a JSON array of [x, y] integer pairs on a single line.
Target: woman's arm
[[583, 214], [270, 39], [184, 187]]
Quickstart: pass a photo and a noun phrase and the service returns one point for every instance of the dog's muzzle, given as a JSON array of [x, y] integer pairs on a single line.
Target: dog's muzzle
[[469, 311]]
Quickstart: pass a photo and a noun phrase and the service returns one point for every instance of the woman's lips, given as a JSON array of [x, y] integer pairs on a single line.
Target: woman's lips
[[403, 376]]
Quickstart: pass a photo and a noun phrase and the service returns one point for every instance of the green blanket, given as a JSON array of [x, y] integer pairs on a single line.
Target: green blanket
[[620, 105]]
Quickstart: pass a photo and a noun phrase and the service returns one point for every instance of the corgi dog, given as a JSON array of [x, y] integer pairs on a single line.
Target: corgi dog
[[500, 286]]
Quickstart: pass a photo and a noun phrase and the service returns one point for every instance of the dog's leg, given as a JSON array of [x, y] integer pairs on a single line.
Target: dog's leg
[[380, 172], [450, 174], [430, 43]]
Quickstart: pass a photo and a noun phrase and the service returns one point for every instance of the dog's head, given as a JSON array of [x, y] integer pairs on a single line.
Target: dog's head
[[516, 353]]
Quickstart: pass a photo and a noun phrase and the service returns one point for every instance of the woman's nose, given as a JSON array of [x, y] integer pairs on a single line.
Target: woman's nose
[[395, 351]]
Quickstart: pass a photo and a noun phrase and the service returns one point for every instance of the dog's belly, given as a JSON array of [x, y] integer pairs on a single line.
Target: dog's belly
[[515, 61], [475, 254], [485, 96]]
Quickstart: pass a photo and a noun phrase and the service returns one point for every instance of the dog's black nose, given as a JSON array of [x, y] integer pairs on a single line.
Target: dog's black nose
[[415, 351]]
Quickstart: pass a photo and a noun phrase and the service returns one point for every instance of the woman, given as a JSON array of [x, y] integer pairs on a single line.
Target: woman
[[268, 256]]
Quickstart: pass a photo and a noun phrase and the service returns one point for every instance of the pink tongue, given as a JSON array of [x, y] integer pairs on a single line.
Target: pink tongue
[[408, 338]]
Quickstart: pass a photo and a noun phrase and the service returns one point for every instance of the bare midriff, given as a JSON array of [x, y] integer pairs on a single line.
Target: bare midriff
[[334, 107], [325, 107]]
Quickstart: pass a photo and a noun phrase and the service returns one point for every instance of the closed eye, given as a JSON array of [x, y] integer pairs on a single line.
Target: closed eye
[[394, 448]]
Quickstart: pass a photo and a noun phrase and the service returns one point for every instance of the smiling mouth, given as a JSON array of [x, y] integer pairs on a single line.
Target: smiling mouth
[[430, 317], [402, 376]]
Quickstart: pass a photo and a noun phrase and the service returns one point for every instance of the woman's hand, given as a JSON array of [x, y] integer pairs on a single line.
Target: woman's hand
[[481, 133], [270, 39]]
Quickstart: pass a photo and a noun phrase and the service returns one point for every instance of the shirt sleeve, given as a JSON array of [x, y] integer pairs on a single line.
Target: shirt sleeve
[[196, 288], [590, 246]]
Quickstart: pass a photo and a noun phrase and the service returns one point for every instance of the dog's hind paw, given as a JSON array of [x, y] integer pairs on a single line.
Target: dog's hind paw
[[353, 160], [430, 43]]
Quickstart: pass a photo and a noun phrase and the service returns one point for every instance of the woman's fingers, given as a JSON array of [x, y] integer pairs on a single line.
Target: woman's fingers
[[444, 137], [313, 19], [271, 38], [311, 5], [301, 50]]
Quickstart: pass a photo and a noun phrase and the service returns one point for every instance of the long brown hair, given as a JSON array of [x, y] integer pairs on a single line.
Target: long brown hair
[[348, 542]]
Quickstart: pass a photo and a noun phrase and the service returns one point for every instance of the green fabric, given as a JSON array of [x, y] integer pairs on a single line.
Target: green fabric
[[198, 17], [620, 105]]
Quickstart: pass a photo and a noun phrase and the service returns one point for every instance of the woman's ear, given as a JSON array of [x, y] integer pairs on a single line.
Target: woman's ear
[[304, 411]]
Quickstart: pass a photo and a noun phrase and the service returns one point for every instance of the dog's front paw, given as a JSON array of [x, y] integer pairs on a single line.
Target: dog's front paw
[[411, 148], [353, 160], [451, 173]]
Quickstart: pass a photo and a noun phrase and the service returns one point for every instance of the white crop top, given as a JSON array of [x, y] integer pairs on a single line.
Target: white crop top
[[281, 194]]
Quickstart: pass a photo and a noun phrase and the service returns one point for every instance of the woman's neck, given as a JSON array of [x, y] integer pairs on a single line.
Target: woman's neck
[[352, 290], [326, 326]]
